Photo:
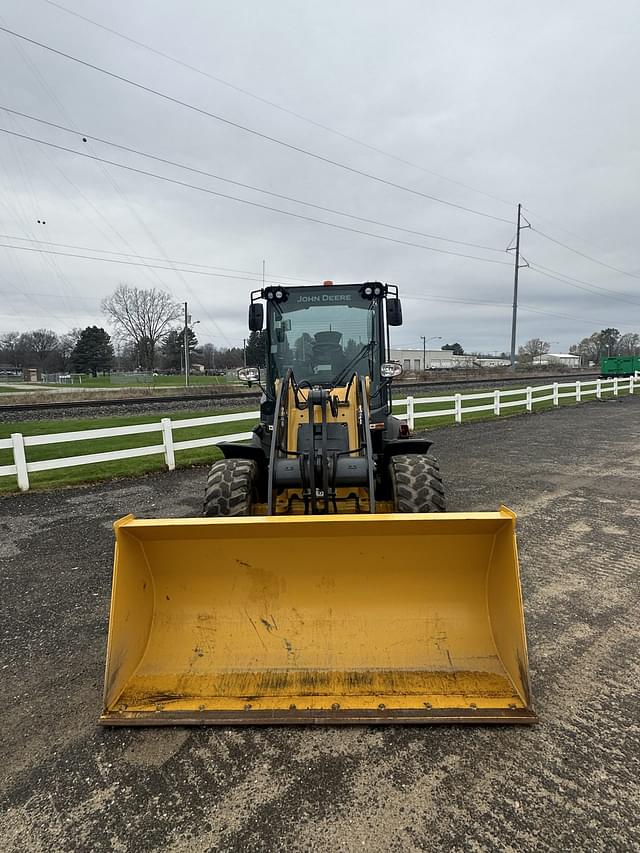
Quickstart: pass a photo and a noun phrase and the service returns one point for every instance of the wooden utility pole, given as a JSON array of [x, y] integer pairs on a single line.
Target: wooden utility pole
[[186, 345], [514, 317]]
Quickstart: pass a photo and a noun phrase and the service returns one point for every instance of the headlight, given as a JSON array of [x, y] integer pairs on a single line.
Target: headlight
[[275, 294], [372, 290]]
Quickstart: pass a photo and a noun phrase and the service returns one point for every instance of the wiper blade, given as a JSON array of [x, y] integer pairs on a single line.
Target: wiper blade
[[340, 378]]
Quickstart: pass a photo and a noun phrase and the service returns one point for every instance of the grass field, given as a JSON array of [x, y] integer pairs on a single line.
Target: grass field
[[196, 456], [116, 381]]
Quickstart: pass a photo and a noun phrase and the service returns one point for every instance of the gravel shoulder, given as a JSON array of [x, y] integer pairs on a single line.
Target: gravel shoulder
[[569, 783]]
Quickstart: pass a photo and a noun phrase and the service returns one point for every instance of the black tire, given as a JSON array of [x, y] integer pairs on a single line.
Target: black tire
[[232, 488], [416, 484]]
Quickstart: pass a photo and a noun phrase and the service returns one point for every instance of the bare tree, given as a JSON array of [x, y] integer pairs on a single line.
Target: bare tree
[[534, 348], [142, 317], [209, 356], [67, 344], [10, 348], [629, 344], [39, 344]]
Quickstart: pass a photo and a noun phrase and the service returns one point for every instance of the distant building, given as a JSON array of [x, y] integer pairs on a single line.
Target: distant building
[[568, 359], [493, 362], [415, 360]]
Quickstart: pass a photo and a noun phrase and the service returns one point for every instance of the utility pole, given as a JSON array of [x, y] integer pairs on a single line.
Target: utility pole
[[244, 351], [424, 352], [514, 319], [186, 346]]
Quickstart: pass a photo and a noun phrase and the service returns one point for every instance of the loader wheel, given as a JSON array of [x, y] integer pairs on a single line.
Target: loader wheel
[[416, 484], [232, 487]]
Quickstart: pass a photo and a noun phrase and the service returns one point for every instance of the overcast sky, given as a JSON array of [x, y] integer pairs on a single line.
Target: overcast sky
[[493, 102]]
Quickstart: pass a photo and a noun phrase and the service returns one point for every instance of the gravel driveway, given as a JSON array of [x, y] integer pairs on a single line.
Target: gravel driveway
[[569, 783]]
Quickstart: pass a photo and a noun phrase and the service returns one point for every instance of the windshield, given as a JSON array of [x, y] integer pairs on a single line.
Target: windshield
[[325, 337]]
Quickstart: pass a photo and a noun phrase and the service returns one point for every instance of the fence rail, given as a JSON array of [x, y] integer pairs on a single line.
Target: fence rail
[[166, 445]]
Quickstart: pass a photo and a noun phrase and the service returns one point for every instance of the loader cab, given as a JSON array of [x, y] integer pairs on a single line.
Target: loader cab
[[326, 334]]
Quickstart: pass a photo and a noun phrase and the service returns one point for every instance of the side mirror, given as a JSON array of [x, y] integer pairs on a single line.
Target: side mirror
[[391, 369], [394, 312], [249, 374], [256, 316]]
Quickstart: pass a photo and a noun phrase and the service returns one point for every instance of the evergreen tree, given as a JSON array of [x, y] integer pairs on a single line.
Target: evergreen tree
[[93, 352], [256, 349], [173, 348]]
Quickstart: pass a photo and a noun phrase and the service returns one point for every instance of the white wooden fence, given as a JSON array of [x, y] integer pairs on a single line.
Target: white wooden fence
[[523, 397], [167, 446]]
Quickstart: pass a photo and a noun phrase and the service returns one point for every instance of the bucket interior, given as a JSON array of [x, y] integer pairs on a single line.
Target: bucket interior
[[235, 620]]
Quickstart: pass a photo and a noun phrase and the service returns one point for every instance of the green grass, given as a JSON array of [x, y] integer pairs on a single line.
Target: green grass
[[9, 389], [143, 381], [118, 468]]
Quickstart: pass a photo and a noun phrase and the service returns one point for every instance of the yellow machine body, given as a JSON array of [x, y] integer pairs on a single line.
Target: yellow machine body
[[368, 618]]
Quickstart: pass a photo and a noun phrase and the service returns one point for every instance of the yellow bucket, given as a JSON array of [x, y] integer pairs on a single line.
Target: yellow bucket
[[317, 619]]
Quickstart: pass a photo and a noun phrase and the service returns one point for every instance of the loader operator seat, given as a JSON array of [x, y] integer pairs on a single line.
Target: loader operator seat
[[328, 355]]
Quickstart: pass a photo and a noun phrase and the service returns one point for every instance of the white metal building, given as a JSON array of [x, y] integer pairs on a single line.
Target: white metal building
[[414, 360], [566, 358]]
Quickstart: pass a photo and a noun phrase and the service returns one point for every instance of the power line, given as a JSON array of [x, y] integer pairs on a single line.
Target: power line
[[257, 278], [492, 304], [251, 203], [273, 104], [37, 250], [555, 225], [277, 278], [252, 131], [247, 186], [577, 283], [114, 184], [583, 254]]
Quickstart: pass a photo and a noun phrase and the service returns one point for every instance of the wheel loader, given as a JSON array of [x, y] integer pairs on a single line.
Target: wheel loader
[[325, 582]]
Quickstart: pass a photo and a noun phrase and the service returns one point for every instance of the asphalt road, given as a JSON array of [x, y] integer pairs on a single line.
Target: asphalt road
[[569, 783]]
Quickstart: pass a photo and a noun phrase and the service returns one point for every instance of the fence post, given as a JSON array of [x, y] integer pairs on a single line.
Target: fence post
[[598, 389], [496, 402], [167, 440], [458, 408], [631, 384], [615, 386], [555, 394], [410, 417], [20, 461], [578, 391], [529, 399]]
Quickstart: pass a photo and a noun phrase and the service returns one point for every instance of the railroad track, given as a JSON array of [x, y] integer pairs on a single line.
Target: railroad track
[[230, 400]]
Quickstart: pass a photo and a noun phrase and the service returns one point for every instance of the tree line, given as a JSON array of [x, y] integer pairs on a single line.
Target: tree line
[[595, 347], [146, 338]]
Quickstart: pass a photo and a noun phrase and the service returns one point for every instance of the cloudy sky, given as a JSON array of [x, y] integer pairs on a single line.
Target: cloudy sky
[[480, 105]]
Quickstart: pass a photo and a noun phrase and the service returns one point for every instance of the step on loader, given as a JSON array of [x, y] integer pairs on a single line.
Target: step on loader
[[326, 583]]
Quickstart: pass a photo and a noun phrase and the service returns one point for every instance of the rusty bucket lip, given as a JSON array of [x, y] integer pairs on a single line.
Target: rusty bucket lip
[[304, 717]]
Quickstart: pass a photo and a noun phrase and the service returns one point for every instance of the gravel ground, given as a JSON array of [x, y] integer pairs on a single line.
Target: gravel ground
[[569, 783]]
